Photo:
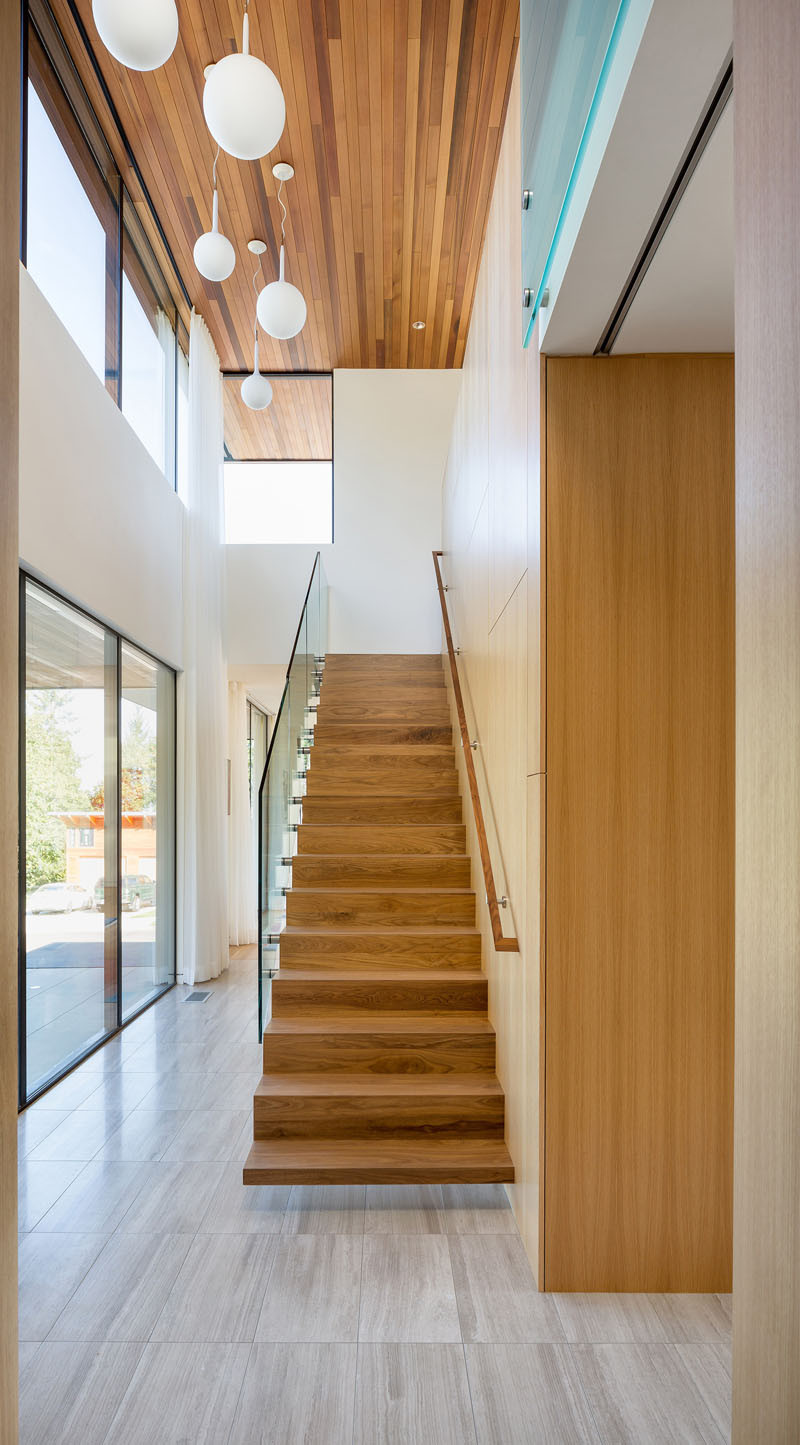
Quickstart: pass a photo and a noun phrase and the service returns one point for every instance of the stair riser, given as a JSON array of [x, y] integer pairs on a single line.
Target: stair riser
[[410, 763], [294, 999], [332, 809], [426, 1173], [424, 699], [334, 679], [351, 758], [378, 782], [389, 951], [333, 910], [383, 735], [422, 839], [349, 872], [372, 710], [299, 1053], [404, 1117], [400, 661]]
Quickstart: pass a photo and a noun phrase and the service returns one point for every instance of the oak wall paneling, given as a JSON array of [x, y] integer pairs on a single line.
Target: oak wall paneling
[[9, 643], [639, 824], [766, 1271]]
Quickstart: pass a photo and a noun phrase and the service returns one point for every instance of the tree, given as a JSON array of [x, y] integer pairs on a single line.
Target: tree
[[138, 773], [139, 764], [52, 784]]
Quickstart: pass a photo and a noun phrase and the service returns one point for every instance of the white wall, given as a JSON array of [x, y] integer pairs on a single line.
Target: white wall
[[98, 520], [391, 434]]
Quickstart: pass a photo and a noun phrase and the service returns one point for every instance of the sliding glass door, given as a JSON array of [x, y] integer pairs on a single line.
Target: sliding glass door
[[96, 834]]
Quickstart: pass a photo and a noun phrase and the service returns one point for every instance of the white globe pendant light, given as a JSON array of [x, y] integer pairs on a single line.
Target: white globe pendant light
[[243, 103], [139, 33], [256, 389], [281, 308], [214, 255]]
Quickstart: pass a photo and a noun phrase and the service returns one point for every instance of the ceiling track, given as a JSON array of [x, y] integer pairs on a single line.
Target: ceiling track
[[703, 131]]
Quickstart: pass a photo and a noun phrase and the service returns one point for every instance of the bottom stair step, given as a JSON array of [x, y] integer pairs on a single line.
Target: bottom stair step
[[365, 1161]]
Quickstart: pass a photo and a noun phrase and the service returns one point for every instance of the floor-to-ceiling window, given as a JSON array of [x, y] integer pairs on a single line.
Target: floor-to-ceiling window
[[97, 834]]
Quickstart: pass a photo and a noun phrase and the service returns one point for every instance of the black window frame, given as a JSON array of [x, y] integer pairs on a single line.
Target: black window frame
[[118, 639]]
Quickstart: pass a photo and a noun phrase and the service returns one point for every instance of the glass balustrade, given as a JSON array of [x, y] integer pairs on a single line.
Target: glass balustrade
[[283, 783], [566, 49]]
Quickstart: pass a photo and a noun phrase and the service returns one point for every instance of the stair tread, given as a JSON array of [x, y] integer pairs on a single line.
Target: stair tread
[[386, 857], [456, 1022], [377, 887], [386, 1085], [467, 1160], [379, 975], [376, 930]]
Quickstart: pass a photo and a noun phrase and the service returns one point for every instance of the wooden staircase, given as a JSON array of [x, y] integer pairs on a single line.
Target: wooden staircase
[[379, 1060]]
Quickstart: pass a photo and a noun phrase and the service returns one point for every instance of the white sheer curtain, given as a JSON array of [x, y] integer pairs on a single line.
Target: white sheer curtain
[[242, 911], [202, 729]]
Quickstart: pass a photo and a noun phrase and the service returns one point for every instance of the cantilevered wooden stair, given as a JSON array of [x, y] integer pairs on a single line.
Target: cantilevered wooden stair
[[379, 1060]]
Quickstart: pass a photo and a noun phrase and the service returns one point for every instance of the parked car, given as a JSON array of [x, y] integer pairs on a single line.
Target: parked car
[[137, 889], [59, 898]]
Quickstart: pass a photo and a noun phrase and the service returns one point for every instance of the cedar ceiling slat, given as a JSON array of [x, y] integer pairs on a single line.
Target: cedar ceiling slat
[[297, 425], [394, 116]]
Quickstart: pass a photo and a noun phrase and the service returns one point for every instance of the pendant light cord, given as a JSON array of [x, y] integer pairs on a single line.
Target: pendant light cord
[[214, 168], [255, 288], [284, 210]]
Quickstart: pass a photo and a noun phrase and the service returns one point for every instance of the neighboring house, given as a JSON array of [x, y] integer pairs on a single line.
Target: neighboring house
[[86, 845]]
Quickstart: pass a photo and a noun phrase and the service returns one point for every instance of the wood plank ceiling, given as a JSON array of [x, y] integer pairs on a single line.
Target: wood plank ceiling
[[394, 116], [297, 426]]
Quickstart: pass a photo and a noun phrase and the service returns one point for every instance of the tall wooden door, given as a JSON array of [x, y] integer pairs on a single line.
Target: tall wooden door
[[640, 824]]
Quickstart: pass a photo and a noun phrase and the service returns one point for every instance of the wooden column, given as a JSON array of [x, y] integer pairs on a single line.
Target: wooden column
[[9, 550], [766, 1311]]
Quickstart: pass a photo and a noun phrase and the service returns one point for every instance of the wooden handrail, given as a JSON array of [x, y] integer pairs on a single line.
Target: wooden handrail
[[501, 943]]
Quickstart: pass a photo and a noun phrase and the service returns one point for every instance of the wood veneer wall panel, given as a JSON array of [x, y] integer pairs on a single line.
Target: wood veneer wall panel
[[9, 532], [640, 820], [766, 1274]]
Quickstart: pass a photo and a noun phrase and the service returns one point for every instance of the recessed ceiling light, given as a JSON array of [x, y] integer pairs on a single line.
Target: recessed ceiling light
[[418, 325]]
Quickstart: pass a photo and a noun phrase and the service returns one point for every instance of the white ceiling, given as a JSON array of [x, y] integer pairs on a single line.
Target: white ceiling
[[685, 302]]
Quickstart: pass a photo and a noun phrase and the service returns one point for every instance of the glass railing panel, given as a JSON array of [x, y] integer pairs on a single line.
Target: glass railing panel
[[566, 49], [283, 783], [275, 808]]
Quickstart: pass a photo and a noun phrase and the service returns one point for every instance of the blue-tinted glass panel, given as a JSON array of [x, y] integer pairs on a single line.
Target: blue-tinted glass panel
[[565, 46]]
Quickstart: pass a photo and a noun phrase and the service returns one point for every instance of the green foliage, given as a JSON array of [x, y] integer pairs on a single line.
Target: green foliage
[[52, 784], [138, 773]]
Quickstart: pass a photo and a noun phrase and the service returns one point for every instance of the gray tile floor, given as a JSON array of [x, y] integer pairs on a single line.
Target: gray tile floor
[[161, 1302]]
